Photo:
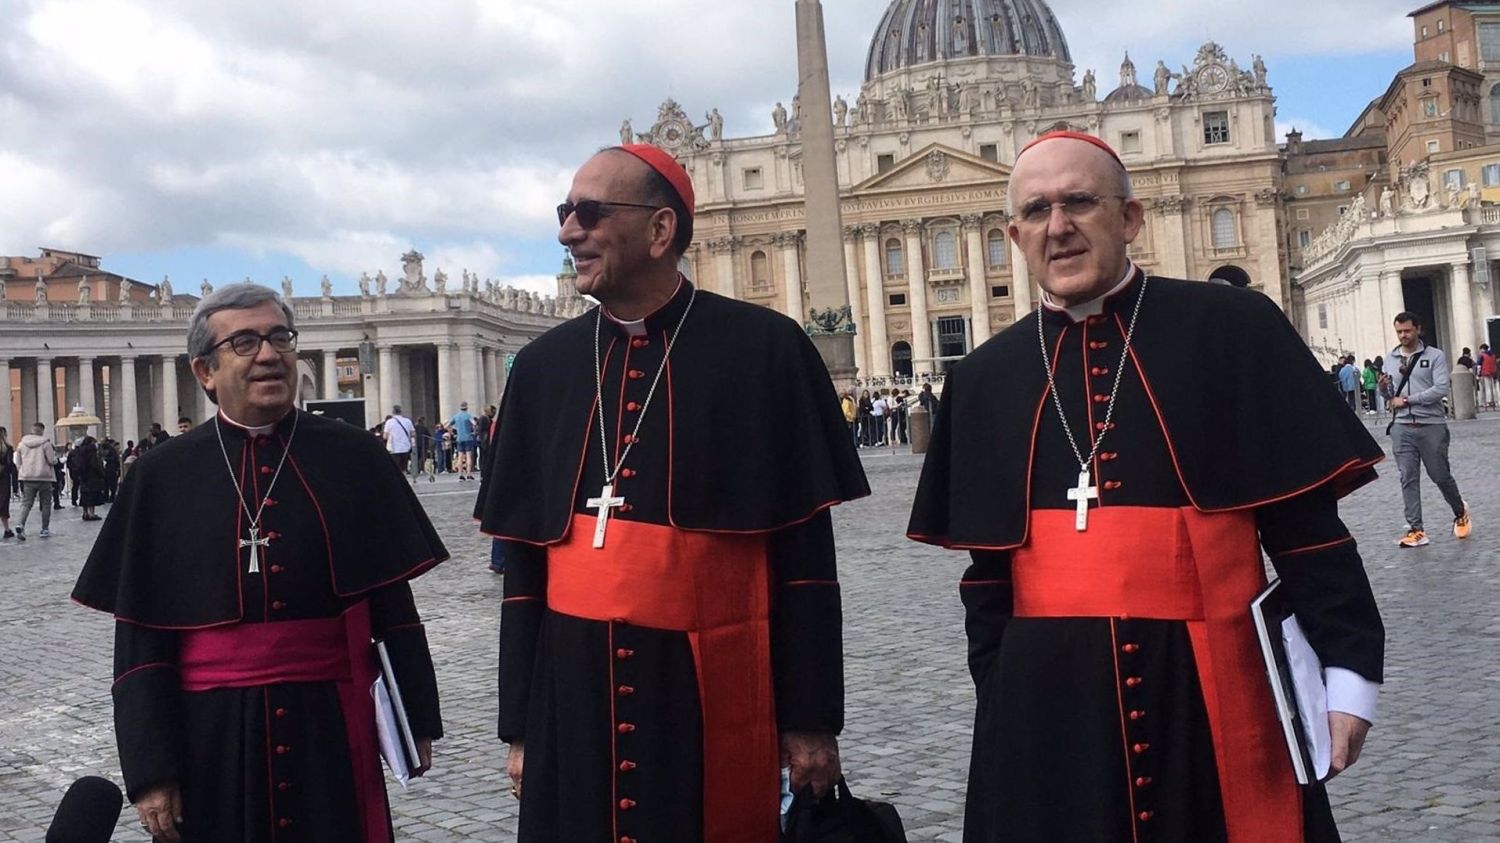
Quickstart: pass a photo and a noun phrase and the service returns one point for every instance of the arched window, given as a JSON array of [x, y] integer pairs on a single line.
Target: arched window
[[901, 359], [945, 250], [995, 246], [1223, 224], [895, 259], [1495, 106], [760, 271]]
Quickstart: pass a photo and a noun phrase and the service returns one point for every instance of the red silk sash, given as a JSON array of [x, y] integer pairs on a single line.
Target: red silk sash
[[334, 650], [716, 588], [1204, 569]]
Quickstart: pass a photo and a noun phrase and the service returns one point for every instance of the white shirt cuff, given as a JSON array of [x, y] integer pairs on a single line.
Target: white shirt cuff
[[1351, 693]]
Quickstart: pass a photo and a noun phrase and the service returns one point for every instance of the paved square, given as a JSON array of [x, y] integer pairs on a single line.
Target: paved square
[[1431, 770]]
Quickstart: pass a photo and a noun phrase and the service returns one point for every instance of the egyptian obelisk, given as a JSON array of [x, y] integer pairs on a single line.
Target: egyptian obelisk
[[826, 285]]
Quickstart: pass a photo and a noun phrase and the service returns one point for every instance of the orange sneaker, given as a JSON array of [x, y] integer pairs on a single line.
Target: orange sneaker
[[1461, 524], [1413, 538]]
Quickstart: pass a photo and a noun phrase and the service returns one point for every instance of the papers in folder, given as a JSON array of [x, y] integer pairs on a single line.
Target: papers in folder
[[1297, 685], [397, 744]]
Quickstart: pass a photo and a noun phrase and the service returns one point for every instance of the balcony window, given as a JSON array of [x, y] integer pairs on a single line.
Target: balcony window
[[895, 259], [995, 245], [1223, 229], [945, 250]]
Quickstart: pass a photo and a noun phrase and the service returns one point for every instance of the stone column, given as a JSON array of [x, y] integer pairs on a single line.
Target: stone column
[[880, 347], [916, 296], [72, 389], [856, 306], [6, 407], [1370, 333], [86, 384], [169, 409], [130, 408], [979, 290], [723, 249], [390, 379], [791, 259], [1461, 300], [330, 373], [447, 404], [1020, 281], [46, 395], [1392, 302], [468, 377], [491, 377], [1174, 251]]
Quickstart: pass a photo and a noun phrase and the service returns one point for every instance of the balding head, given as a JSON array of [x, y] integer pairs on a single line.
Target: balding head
[[1073, 213]]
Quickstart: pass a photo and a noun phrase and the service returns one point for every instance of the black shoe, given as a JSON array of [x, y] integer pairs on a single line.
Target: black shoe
[[10, 534]]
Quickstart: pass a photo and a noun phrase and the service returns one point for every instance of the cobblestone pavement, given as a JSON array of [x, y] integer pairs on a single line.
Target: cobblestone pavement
[[1431, 769]]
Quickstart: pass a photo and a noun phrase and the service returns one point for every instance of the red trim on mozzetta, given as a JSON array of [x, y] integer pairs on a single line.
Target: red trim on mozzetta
[[138, 668], [520, 597], [1312, 548], [1036, 424], [1353, 464]]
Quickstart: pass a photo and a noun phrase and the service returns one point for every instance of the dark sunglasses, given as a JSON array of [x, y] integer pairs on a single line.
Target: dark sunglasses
[[590, 211], [247, 343]]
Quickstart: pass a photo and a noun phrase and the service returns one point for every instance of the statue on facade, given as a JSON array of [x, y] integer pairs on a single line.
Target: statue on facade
[[1162, 78], [840, 111], [1259, 69], [206, 289], [1471, 194], [327, 287], [364, 285], [1031, 95], [166, 289], [1090, 86], [862, 109], [715, 125], [934, 97], [84, 291], [440, 282], [1387, 201], [1452, 193], [901, 102], [778, 118], [412, 278], [286, 287], [380, 283], [125, 287], [796, 124], [627, 134], [965, 100], [508, 297]]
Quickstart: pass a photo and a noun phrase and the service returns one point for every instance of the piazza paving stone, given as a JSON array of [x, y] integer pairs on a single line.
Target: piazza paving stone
[[1430, 771]]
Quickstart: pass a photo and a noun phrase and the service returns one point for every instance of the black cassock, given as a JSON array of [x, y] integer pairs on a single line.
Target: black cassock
[[742, 448], [259, 762], [1096, 727]]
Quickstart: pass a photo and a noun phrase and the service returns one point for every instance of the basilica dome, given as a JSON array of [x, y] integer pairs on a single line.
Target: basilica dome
[[915, 32]]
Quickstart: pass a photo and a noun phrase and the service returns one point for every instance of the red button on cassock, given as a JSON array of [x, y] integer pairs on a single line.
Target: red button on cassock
[[1133, 681], [625, 728], [283, 786], [276, 569], [639, 342], [277, 604], [1137, 714], [632, 407], [625, 690], [1101, 399], [1104, 425], [1140, 748], [1111, 485], [1109, 456], [280, 712], [625, 507], [1098, 344], [1145, 816], [284, 822], [622, 654], [635, 374], [628, 438], [1143, 781], [1098, 371], [270, 502], [627, 472], [265, 469], [627, 804], [627, 840], [282, 749], [627, 766]]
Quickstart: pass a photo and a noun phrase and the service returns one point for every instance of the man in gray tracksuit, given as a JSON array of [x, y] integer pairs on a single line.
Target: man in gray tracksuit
[[1415, 382]]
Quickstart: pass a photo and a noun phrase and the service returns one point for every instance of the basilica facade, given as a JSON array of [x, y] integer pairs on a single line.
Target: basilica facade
[[953, 90]]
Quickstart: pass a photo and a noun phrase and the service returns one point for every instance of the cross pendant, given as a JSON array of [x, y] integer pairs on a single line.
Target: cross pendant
[[255, 543], [604, 503], [1083, 494]]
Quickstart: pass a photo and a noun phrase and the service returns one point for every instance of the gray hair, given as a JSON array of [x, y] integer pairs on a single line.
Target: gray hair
[[1127, 190], [240, 296]]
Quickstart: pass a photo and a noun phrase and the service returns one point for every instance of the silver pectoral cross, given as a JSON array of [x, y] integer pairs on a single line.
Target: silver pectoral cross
[[255, 543], [1083, 494], [604, 503]]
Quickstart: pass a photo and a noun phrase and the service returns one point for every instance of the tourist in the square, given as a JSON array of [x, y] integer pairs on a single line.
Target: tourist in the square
[[242, 657], [465, 442], [1115, 495], [109, 450], [59, 479], [7, 473], [648, 690], [184, 424], [1415, 382], [866, 410], [1488, 369], [878, 409], [399, 434], [1369, 381], [35, 462], [1349, 382], [87, 469], [851, 415]]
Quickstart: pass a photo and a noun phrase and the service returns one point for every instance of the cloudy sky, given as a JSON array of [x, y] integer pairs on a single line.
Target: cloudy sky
[[285, 137]]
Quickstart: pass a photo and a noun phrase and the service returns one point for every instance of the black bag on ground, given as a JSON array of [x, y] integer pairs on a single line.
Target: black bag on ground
[[840, 817]]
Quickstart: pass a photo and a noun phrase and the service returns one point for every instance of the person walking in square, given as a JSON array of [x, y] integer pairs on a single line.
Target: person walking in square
[[36, 461], [7, 474], [1488, 366], [1415, 382]]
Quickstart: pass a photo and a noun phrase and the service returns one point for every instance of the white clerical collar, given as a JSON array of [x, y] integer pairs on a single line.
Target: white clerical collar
[[263, 430], [637, 327], [1094, 306]]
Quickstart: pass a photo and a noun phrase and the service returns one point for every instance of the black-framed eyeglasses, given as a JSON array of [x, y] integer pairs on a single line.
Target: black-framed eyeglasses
[[1073, 205], [247, 343], [590, 211]]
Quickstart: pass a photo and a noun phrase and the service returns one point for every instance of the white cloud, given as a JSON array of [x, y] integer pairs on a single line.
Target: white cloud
[[1309, 129], [343, 132]]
